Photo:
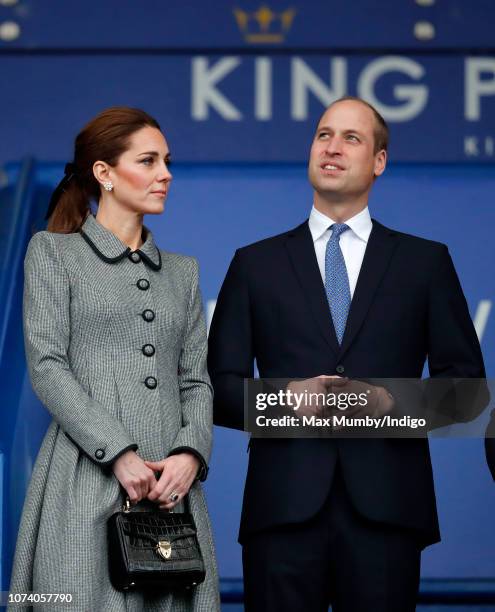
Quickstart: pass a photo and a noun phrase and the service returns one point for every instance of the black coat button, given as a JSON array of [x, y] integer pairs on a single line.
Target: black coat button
[[148, 315], [340, 369], [100, 453], [151, 382], [135, 257], [148, 350], [143, 284]]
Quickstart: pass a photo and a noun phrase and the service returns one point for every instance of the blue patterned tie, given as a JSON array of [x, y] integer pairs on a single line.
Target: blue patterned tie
[[337, 281]]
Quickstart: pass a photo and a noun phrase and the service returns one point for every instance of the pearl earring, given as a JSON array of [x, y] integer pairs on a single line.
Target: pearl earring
[[108, 185]]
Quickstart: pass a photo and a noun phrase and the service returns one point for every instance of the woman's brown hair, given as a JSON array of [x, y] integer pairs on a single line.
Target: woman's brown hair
[[104, 138]]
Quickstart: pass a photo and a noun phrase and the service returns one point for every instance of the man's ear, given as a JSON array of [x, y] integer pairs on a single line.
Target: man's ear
[[380, 162]]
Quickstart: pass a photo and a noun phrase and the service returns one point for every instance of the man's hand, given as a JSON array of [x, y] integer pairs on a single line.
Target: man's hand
[[379, 401], [308, 397], [177, 475], [134, 475]]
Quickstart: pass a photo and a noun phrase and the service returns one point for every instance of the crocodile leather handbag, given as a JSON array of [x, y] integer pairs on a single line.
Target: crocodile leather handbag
[[153, 549]]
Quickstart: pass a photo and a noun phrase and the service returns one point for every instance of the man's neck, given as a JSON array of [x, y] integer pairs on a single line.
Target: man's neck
[[339, 211]]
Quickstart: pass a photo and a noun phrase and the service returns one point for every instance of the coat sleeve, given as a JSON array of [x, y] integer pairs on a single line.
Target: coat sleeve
[[196, 393], [456, 391], [230, 347], [453, 348], [47, 326]]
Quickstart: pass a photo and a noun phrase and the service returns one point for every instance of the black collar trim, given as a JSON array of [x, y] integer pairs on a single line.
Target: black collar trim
[[100, 254], [149, 261], [126, 253]]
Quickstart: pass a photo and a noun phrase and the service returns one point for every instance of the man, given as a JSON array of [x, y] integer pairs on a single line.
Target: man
[[338, 521]]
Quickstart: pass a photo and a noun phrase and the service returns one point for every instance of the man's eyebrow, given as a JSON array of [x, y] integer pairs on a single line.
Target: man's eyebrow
[[353, 131], [347, 131]]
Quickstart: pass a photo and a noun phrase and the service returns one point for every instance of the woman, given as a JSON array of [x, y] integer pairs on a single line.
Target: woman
[[116, 349]]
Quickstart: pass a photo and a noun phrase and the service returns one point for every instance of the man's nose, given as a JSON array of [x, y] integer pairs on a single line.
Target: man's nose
[[334, 146]]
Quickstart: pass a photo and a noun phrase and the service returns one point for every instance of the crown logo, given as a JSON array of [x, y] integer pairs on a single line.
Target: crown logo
[[264, 25]]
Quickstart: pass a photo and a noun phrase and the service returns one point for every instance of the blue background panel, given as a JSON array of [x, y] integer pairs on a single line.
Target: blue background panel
[[211, 211], [48, 99], [316, 24]]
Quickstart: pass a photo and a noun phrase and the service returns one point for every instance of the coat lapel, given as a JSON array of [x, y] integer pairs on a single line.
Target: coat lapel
[[381, 245], [302, 254]]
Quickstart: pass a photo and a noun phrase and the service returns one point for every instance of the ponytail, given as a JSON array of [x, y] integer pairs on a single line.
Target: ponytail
[[69, 204]]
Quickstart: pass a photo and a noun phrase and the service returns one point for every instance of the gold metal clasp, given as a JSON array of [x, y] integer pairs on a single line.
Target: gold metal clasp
[[164, 549]]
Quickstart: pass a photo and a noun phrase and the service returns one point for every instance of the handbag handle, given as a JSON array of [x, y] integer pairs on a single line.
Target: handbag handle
[[128, 506]]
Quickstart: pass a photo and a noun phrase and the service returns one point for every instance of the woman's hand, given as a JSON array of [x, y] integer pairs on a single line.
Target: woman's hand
[[177, 475], [134, 475]]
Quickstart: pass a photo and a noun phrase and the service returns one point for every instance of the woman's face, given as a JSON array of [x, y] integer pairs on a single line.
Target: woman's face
[[141, 178]]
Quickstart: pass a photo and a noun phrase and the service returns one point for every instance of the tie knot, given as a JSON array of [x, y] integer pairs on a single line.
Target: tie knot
[[338, 229]]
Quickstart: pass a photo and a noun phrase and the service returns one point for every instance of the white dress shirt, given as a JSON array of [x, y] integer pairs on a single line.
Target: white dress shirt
[[352, 242]]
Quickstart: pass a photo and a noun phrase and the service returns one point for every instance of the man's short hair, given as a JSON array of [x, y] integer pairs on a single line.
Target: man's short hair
[[381, 128]]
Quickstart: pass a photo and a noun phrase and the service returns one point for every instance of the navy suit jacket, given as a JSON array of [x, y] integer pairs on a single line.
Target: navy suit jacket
[[408, 306]]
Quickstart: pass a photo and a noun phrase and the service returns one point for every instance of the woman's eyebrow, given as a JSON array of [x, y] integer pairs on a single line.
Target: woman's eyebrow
[[154, 153]]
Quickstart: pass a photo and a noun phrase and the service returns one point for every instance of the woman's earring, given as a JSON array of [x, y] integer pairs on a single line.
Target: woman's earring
[[108, 185]]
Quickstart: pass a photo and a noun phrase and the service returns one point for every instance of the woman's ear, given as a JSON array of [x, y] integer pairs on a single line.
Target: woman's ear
[[101, 171]]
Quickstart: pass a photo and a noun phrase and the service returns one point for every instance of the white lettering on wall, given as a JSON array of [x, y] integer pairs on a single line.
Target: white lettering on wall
[[263, 88], [481, 317], [474, 146], [475, 87], [204, 92], [305, 80], [471, 146], [414, 96], [409, 99]]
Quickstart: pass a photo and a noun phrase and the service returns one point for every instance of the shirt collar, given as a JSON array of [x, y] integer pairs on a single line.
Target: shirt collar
[[360, 224], [111, 249]]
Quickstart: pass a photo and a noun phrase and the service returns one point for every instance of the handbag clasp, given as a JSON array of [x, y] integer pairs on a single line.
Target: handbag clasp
[[164, 549]]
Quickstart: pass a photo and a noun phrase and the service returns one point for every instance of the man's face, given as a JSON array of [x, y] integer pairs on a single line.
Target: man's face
[[342, 162]]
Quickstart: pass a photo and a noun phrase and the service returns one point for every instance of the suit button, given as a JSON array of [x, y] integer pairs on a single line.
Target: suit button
[[340, 369], [135, 257], [151, 382], [143, 284], [148, 315], [148, 350], [100, 453]]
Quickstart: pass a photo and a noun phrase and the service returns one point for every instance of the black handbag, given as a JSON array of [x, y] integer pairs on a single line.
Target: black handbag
[[153, 549]]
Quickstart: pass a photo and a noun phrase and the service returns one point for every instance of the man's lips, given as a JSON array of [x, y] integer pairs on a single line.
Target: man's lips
[[160, 192], [331, 167]]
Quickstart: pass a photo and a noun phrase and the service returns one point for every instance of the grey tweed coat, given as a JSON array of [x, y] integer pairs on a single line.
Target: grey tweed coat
[[116, 351]]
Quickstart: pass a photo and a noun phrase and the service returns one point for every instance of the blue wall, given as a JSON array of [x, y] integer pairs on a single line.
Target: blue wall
[[213, 210]]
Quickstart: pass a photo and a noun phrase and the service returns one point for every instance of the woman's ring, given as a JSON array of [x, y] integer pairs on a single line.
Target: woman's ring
[[174, 496]]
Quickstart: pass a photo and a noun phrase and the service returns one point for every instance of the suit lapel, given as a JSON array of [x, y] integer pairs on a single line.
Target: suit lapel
[[302, 254], [381, 245]]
